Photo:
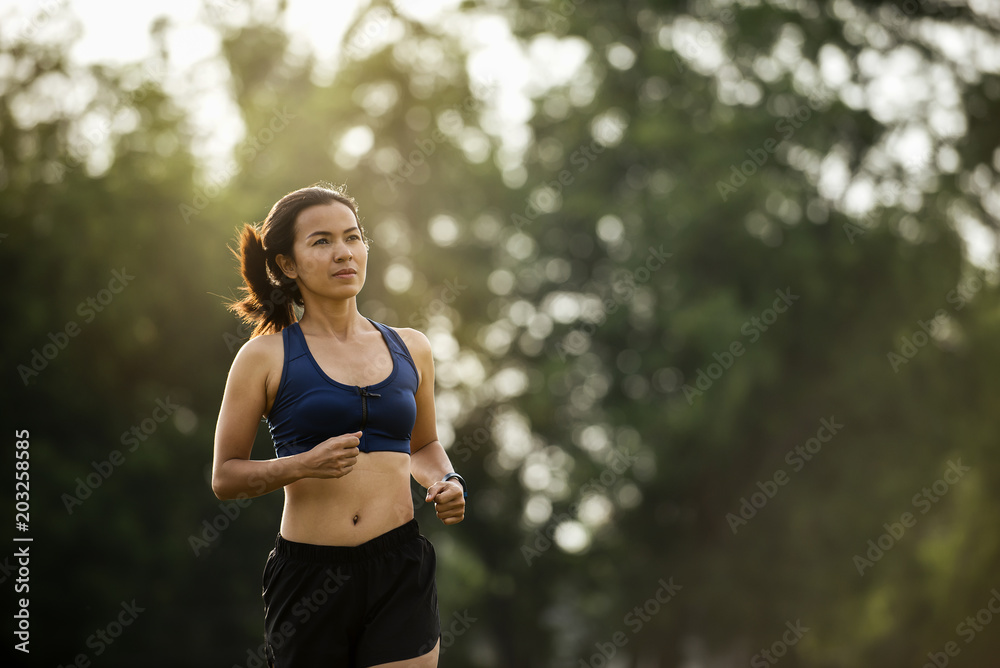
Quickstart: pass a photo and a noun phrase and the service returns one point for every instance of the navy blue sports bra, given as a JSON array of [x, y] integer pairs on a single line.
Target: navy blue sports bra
[[311, 407]]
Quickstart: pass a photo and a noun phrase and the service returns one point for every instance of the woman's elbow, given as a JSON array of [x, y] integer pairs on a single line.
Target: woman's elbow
[[221, 487]]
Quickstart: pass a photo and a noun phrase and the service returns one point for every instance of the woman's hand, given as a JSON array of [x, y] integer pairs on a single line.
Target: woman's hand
[[333, 458], [449, 501]]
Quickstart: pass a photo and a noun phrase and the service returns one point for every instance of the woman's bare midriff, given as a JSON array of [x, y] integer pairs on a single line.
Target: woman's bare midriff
[[367, 502]]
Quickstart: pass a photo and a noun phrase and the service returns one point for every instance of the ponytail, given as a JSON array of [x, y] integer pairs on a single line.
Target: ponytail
[[268, 293], [267, 303]]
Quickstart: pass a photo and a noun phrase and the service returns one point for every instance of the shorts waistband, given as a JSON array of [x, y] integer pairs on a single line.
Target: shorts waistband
[[322, 554]]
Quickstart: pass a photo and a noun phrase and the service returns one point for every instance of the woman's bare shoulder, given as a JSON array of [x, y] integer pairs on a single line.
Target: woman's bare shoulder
[[415, 340], [261, 350]]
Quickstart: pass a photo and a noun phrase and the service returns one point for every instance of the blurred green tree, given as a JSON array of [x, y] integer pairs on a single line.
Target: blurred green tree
[[704, 324]]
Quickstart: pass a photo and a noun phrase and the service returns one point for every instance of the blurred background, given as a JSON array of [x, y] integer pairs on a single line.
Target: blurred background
[[711, 287]]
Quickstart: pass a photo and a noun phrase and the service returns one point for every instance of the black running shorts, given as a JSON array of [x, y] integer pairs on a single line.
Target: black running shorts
[[351, 607]]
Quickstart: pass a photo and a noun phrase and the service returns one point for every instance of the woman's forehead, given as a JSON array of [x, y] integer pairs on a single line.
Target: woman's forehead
[[333, 217]]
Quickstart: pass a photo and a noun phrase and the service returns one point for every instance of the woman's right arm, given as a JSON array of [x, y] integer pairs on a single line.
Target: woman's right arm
[[234, 474]]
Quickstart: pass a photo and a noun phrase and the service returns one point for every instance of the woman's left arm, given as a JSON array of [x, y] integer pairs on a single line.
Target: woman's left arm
[[429, 462]]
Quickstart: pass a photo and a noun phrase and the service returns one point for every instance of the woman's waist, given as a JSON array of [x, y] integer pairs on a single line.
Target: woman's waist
[[363, 551], [365, 503]]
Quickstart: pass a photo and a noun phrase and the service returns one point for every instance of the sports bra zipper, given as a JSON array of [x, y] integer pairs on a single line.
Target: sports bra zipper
[[363, 391]]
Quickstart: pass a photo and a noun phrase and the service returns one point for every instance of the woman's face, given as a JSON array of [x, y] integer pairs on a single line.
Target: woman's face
[[329, 254]]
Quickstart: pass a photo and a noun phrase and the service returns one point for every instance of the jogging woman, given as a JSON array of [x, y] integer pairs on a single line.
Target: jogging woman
[[350, 406]]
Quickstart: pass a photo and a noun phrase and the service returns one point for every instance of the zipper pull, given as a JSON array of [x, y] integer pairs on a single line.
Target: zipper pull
[[363, 391]]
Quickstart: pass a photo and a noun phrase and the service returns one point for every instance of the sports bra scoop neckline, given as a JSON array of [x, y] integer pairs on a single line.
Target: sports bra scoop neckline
[[348, 386]]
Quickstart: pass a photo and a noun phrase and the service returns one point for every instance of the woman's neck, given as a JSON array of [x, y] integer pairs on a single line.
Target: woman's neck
[[341, 320]]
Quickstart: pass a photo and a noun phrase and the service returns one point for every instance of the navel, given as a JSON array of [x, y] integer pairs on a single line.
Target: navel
[[356, 518]]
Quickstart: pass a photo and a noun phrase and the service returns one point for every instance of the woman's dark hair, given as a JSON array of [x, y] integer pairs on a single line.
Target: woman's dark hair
[[269, 293]]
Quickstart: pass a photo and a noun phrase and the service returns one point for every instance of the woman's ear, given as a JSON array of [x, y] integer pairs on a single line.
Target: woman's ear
[[287, 265]]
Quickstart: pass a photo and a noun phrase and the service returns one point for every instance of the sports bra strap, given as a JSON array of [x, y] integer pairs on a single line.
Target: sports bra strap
[[295, 343], [394, 340]]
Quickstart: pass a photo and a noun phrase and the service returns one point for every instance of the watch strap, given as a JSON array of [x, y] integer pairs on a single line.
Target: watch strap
[[460, 479]]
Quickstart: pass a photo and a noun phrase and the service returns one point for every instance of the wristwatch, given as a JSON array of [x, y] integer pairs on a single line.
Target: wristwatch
[[461, 480]]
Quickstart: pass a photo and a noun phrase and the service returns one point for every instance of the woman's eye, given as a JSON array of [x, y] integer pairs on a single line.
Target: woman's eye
[[354, 237], [321, 241]]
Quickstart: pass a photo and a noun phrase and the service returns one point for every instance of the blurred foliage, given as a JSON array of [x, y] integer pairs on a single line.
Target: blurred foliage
[[602, 286]]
